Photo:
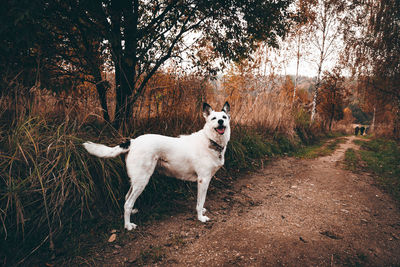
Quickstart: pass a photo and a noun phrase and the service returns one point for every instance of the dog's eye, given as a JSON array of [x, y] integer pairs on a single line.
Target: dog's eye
[[213, 118], [224, 117]]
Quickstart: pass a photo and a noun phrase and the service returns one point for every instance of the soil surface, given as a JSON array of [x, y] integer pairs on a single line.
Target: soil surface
[[293, 212]]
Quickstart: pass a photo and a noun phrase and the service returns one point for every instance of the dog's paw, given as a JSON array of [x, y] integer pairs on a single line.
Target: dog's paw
[[134, 211], [204, 219], [130, 226]]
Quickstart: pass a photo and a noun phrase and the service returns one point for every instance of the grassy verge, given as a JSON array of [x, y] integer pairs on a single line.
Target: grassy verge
[[351, 159], [321, 148], [55, 198], [380, 157]]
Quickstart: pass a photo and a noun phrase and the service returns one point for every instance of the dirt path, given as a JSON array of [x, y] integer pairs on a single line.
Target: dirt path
[[292, 213]]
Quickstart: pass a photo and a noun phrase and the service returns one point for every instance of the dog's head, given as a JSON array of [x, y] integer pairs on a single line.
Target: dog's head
[[217, 123]]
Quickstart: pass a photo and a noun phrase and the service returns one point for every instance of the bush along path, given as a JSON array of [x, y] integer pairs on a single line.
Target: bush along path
[[296, 212]]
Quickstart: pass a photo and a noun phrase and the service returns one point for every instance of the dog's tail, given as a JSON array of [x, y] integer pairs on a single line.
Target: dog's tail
[[103, 151]]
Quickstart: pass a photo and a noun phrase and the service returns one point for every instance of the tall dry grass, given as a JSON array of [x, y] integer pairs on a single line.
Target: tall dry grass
[[267, 110], [47, 181]]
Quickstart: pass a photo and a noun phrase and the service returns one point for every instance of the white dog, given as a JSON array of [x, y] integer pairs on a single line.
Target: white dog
[[194, 157]]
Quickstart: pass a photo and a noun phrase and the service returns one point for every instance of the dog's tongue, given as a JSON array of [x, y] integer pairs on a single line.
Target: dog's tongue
[[220, 130]]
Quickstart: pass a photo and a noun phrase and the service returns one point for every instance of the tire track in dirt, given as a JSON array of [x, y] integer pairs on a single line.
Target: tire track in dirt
[[293, 212]]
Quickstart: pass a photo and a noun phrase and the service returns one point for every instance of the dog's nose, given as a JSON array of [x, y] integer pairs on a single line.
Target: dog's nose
[[220, 122]]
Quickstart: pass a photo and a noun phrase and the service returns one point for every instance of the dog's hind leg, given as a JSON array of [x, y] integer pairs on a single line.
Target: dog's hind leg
[[137, 188], [134, 211], [202, 187], [140, 175]]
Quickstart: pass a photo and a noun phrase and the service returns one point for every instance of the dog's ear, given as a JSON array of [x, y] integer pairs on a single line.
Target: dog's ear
[[227, 108], [206, 110]]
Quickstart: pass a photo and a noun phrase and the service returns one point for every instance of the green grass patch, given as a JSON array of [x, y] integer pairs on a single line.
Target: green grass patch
[[247, 149], [351, 159], [380, 157], [322, 148]]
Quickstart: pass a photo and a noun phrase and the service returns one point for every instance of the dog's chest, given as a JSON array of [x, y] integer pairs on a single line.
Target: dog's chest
[[217, 149]]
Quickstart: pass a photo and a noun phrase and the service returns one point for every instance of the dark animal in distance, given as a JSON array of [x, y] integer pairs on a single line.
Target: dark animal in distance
[[356, 130], [362, 129]]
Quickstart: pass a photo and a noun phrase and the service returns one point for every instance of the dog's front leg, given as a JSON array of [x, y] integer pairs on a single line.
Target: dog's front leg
[[202, 186]]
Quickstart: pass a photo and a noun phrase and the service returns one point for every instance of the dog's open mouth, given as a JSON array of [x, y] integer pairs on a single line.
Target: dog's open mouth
[[220, 129]]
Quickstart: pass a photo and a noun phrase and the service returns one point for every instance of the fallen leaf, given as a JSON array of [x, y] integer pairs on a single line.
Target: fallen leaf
[[112, 238]]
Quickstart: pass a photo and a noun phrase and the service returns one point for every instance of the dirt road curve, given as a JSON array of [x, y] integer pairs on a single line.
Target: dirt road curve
[[292, 213]]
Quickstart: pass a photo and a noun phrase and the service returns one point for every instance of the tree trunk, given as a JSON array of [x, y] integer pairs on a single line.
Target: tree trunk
[[331, 118], [396, 123], [124, 48], [315, 98], [314, 102], [373, 121], [101, 88], [297, 68], [124, 88]]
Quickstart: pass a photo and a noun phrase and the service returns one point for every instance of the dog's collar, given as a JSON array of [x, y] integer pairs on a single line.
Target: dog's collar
[[214, 145]]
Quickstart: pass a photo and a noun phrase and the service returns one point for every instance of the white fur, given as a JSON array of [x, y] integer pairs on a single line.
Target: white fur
[[103, 151], [188, 157]]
